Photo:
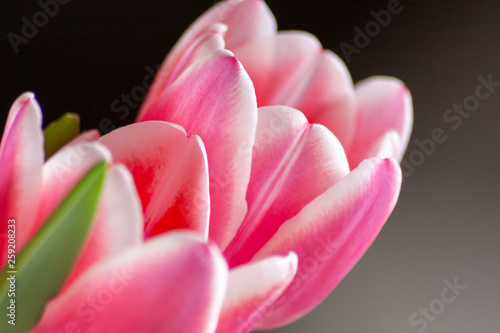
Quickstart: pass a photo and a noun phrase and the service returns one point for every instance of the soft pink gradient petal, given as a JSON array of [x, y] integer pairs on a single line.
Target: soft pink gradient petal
[[173, 283], [252, 290], [214, 98], [293, 162], [383, 104], [209, 40], [330, 235], [87, 136], [246, 21], [63, 171], [21, 160], [170, 172], [119, 222], [292, 69], [387, 146]]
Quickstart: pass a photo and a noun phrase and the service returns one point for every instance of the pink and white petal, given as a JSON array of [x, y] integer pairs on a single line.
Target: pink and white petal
[[119, 222], [173, 283], [326, 97], [292, 69], [383, 104], [215, 99], [209, 40], [252, 289], [21, 160], [277, 64], [289, 153], [387, 146], [62, 171], [330, 235], [170, 173], [247, 20], [87, 136]]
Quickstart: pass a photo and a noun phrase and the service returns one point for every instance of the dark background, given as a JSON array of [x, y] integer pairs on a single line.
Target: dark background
[[446, 224]]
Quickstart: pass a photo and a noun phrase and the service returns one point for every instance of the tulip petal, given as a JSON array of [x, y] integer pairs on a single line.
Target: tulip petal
[[173, 283], [21, 160], [63, 171], [292, 69], [383, 104], [252, 290], [289, 153], [210, 39], [215, 99], [246, 21], [170, 172], [47, 259], [387, 146], [330, 235], [87, 136], [119, 223]]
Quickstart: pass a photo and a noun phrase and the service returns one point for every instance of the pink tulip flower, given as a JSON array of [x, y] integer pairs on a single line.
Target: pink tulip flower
[[276, 183], [174, 282], [255, 141]]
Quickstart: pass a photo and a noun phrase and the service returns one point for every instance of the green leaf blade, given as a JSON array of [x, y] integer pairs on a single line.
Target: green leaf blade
[[60, 132], [44, 264]]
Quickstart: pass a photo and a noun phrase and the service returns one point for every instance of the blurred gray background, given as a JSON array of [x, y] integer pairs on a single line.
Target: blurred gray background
[[446, 225]]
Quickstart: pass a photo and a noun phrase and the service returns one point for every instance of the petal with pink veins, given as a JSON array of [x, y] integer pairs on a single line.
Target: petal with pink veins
[[170, 172], [243, 20], [383, 104], [252, 289], [246, 21], [210, 39], [21, 160], [330, 235], [173, 283], [214, 98], [119, 223], [293, 163], [292, 69]]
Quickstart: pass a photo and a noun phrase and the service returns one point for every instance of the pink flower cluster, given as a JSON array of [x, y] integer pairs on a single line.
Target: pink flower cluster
[[254, 179]]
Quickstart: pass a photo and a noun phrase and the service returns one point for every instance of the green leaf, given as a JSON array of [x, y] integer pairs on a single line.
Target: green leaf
[[60, 132], [45, 262]]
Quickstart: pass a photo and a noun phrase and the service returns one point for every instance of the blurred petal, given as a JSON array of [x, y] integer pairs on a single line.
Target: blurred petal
[[289, 154], [215, 99], [87, 136], [383, 104], [387, 146], [173, 283], [170, 172], [21, 160], [252, 290], [119, 222], [63, 171], [330, 235], [292, 69]]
